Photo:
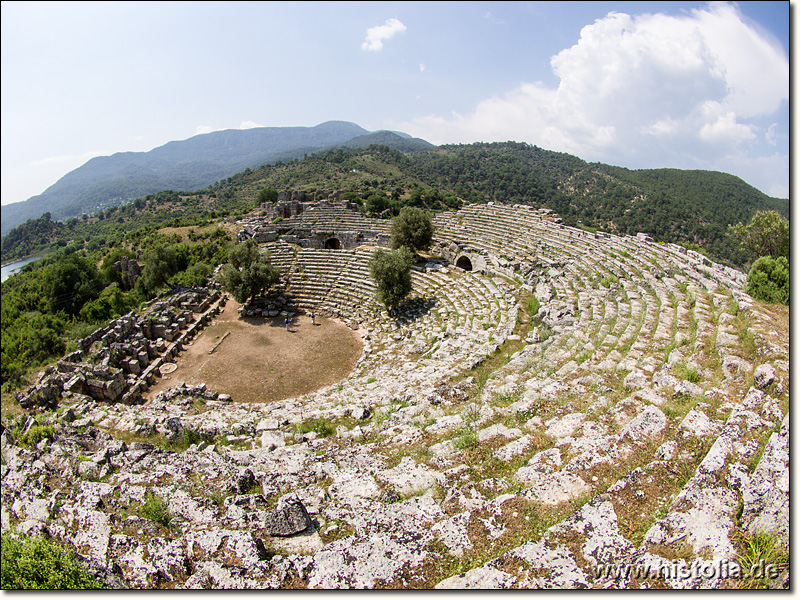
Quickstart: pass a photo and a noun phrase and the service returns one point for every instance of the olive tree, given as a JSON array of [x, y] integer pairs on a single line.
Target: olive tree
[[248, 272], [412, 229], [267, 195], [391, 272], [768, 279], [160, 263], [767, 234]]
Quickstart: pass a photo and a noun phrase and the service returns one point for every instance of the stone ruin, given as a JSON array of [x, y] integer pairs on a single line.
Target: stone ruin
[[129, 269], [330, 224], [626, 436], [116, 363]]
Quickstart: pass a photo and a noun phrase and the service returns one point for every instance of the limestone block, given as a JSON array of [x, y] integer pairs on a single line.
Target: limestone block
[[557, 487], [480, 578], [764, 376], [650, 422]]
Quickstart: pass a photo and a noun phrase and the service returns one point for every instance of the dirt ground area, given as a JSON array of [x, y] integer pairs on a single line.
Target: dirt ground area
[[259, 361]]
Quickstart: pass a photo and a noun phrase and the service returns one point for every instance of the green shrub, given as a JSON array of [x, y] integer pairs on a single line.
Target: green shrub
[[608, 280], [40, 564], [36, 434], [391, 272], [769, 280], [191, 437], [154, 508]]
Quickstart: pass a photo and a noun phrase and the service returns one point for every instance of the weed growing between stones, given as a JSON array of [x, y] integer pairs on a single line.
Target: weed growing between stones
[[744, 327], [761, 558], [321, 426], [154, 508], [180, 443], [35, 434], [467, 438], [532, 306]]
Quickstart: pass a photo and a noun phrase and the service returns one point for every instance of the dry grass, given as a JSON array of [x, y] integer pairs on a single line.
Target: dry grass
[[259, 361]]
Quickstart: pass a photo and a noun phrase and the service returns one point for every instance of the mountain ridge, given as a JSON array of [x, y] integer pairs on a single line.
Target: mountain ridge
[[186, 165]]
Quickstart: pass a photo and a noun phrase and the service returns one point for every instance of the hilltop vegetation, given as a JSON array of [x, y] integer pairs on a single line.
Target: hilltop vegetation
[[693, 208]]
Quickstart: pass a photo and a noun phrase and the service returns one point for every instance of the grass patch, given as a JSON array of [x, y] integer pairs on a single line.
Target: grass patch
[[505, 399], [608, 280], [35, 434], [321, 426], [532, 306], [466, 439], [761, 558], [744, 328]]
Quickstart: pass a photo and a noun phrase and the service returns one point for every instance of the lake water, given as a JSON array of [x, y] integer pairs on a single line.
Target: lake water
[[9, 269]]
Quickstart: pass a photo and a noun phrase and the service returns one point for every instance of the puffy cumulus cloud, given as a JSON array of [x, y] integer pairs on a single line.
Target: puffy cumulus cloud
[[373, 42], [249, 125], [643, 91]]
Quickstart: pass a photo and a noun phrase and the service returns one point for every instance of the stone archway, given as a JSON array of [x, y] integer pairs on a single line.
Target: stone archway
[[464, 263], [332, 244]]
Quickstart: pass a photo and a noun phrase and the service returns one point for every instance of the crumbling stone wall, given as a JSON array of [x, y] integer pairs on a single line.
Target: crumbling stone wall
[[117, 362]]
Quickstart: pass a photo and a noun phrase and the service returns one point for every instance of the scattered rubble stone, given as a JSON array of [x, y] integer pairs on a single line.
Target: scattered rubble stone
[[582, 449]]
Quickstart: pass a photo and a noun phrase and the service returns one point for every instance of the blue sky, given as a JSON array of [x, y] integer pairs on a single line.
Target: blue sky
[[690, 85]]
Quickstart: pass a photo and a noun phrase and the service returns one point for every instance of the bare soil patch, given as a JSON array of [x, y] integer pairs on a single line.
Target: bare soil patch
[[260, 361]]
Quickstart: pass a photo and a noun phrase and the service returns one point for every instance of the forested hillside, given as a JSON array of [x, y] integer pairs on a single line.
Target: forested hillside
[[694, 208], [180, 237]]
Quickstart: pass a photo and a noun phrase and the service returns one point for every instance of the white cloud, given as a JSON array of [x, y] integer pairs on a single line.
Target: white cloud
[[422, 67], [496, 21], [201, 129], [771, 135], [651, 88], [725, 129], [380, 33], [68, 159]]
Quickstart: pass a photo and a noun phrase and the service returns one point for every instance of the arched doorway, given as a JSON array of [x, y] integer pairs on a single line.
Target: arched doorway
[[464, 263], [333, 244]]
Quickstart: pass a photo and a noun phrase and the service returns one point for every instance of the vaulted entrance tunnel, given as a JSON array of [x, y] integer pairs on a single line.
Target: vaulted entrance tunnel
[[464, 263]]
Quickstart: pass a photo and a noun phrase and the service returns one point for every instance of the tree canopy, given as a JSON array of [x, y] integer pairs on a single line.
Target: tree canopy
[[268, 195], [412, 229], [160, 263], [768, 280], [71, 283], [767, 234], [391, 271], [248, 272]]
